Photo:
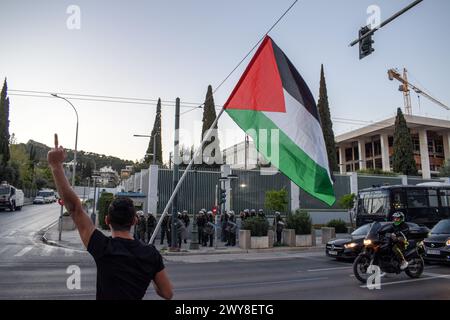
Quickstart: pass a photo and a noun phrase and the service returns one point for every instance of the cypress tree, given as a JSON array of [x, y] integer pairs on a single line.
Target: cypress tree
[[327, 125], [209, 115], [4, 125], [403, 157], [155, 138]]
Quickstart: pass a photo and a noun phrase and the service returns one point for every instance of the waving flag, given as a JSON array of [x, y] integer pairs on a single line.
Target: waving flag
[[271, 97]]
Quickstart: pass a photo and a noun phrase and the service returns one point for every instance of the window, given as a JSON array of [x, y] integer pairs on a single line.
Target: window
[[348, 168], [376, 202], [348, 154], [356, 152], [378, 163], [445, 198], [416, 143], [369, 150], [377, 148], [433, 198], [391, 141], [417, 198], [369, 164], [356, 166], [398, 203]]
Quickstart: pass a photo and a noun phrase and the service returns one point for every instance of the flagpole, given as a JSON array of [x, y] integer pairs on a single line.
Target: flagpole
[[178, 186]]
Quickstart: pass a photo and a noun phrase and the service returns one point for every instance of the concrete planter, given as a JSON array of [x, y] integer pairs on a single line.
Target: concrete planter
[[288, 237], [303, 240], [328, 234], [260, 242], [246, 241], [67, 223]]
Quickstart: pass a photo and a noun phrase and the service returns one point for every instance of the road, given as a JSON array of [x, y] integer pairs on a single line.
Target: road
[[30, 269]]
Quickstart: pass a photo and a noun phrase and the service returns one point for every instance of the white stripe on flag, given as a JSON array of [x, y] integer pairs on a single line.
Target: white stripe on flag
[[303, 129]]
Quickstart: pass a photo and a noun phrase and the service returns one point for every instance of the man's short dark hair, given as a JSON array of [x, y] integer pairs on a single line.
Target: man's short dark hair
[[121, 214]]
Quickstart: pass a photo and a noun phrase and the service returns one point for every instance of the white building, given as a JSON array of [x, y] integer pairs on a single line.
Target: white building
[[371, 147]]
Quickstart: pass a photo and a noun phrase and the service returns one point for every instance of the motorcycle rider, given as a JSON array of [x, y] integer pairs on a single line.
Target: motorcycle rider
[[398, 230]]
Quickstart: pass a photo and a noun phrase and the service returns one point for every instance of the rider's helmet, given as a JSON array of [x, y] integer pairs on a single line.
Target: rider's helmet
[[398, 218]]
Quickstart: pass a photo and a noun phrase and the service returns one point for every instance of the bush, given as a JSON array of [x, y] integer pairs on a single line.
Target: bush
[[300, 221], [339, 225], [103, 204], [276, 200], [347, 201], [258, 226]]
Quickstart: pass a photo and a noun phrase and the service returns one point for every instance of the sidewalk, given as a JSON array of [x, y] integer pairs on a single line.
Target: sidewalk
[[71, 240]]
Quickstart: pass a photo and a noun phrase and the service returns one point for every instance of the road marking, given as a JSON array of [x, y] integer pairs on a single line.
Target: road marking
[[68, 252], [3, 249], [327, 269], [46, 251], [11, 233], [23, 251], [431, 276], [252, 284]]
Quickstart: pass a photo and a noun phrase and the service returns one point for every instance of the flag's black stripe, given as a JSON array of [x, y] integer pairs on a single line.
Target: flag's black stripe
[[293, 82]]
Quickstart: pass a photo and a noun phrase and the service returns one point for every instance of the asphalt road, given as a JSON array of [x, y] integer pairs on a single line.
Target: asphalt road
[[31, 270]]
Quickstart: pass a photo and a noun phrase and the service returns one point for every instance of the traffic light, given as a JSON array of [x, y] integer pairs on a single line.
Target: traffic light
[[222, 196], [214, 210], [365, 45]]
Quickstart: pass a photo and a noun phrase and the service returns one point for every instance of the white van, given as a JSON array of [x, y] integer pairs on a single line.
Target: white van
[[45, 196], [10, 197]]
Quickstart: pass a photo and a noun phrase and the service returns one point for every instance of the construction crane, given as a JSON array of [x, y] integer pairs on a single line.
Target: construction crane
[[405, 88]]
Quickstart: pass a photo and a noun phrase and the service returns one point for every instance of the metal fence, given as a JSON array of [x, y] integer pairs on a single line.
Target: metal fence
[[197, 191], [341, 187]]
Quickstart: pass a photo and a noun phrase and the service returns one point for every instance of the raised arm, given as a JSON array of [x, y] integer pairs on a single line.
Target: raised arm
[[72, 203]]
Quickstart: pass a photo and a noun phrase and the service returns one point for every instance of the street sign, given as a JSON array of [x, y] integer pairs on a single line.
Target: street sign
[[61, 202]]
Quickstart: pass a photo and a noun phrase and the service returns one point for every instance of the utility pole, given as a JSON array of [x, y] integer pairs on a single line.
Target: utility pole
[[176, 155]]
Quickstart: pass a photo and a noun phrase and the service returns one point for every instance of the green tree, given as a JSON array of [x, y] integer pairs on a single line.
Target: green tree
[[403, 156], [327, 125], [445, 170], [209, 115], [155, 138], [4, 125], [276, 200]]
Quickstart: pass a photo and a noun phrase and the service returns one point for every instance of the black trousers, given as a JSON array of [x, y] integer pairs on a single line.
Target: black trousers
[[163, 233], [200, 235], [231, 238], [279, 236]]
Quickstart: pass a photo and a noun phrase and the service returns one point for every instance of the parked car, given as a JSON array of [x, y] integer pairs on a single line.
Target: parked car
[[437, 245], [349, 248]]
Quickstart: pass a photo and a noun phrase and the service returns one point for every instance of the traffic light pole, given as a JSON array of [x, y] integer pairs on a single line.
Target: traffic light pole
[[395, 16], [176, 155]]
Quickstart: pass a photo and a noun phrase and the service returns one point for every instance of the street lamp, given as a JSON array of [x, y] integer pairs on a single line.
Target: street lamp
[[76, 138], [154, 144], [95, 177]]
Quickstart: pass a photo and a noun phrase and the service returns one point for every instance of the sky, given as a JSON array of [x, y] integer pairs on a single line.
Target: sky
[[168, 49]]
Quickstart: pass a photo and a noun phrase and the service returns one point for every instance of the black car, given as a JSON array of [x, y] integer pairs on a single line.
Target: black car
[[437, 245], [349, 248]]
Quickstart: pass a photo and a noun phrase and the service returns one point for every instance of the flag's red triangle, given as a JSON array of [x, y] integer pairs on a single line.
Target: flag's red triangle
[[260, 87]]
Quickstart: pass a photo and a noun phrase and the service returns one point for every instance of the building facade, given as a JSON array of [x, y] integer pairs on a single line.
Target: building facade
[[371, 147]]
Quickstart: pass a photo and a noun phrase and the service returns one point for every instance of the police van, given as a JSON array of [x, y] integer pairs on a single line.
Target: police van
[[424, 204], [10, 197], [45, 196]]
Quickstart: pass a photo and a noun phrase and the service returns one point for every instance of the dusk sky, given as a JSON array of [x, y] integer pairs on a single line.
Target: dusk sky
[[168, 49]]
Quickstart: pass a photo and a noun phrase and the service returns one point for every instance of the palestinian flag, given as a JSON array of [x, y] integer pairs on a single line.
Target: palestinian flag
[[273, 104]]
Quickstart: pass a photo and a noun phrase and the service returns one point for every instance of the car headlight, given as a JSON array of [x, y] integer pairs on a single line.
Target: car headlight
[[350, 245], [367, 242], [448, 243]]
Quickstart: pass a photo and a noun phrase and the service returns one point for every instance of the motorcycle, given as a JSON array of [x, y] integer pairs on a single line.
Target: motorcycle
[[378, 252]]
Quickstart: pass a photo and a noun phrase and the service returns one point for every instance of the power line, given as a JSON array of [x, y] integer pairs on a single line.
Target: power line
[[101, 96], [94, 100], [246, 56]]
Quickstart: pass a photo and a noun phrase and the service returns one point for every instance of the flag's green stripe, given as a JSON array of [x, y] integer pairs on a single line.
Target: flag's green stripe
[[293, 161]]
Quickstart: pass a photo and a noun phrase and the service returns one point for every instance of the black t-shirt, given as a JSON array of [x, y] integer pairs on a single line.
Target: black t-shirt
[[124, 267]]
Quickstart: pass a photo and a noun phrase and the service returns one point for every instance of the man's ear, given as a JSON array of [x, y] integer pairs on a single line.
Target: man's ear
[[107, 221], [135, 220]]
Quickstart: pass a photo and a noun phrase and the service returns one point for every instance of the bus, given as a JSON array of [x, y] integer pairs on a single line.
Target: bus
[[425, 204]]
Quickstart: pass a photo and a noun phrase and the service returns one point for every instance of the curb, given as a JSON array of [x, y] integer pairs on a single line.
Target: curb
[[48, 242], [243, 251]]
